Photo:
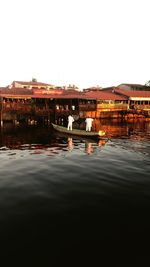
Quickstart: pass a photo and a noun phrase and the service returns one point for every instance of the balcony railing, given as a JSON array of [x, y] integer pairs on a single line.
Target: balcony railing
[[112, 107], [87, 107], [140, 107], [11, 106]]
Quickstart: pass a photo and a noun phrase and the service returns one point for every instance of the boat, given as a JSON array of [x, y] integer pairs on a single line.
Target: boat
[[78, 132]]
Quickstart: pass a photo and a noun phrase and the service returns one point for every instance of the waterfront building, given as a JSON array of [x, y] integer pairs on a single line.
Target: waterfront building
[[31, 85], [45, 103]]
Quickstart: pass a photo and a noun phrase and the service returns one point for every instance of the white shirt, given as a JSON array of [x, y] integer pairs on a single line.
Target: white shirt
[[89, 121], [70, 119]]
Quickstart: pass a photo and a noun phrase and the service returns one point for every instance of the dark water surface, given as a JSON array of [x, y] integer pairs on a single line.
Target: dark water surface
[[75, 202]]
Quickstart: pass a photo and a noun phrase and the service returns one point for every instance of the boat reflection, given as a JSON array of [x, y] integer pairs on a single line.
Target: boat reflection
[[102, 142], [70, 144], [43, 139], [88, 148]]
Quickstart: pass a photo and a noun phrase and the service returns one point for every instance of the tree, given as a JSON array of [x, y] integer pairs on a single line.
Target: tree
[[34, 80], [147, 83]]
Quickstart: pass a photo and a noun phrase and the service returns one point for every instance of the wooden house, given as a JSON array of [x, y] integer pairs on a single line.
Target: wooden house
[[24, 101]]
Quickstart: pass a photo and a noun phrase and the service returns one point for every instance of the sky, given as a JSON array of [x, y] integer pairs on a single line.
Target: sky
[[83, 42]]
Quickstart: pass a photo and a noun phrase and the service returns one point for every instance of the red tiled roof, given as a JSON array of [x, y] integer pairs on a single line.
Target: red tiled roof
[[110, 88], [103, 95], [63, 95], [116, 94], [3, 88], [19, 91], [41, 93], [131, 93]]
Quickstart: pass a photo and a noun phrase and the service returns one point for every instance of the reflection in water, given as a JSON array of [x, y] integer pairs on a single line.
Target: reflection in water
[[56, 204], [88, 148], [70, 143], [41, 141], [113, 128], [124, 129], [89, 145], [102, 142], [22, 144]]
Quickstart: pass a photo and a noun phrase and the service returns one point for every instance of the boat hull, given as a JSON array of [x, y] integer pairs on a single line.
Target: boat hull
[[75, 132]]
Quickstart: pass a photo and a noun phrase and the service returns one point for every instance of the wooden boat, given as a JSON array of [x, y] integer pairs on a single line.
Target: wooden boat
[[78, 132]]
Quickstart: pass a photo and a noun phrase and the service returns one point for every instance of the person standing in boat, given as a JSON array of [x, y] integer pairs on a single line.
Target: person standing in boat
[[88, 122], [70, 121]]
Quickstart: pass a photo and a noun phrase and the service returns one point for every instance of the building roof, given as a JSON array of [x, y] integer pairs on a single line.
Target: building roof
[[108, 89], [131, 93], [131, 85], [58, 93], [115, 94], [15, 91], [32, 83], [2, 89], [94, 88], [103, 95], [128, 86]]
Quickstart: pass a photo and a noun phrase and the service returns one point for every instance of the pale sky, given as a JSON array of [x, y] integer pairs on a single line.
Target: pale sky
[[81, 42]]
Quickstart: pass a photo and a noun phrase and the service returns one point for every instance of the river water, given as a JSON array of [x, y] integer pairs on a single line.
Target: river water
[[66, 201]]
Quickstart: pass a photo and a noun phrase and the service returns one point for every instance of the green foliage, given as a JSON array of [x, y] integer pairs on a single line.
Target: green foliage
[[147, 83], [34, 80]]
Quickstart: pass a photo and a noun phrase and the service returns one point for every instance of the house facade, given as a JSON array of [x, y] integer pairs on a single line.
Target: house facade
[[44, 102], [31, 85]]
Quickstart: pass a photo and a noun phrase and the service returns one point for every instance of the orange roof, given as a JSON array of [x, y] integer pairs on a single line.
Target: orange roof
[[41, 93], [3, 88], [62, 94], [132, 93], [116, 94], [103, 95]]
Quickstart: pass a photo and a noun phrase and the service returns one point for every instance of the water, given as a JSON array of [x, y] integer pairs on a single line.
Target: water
[[75, 202]]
